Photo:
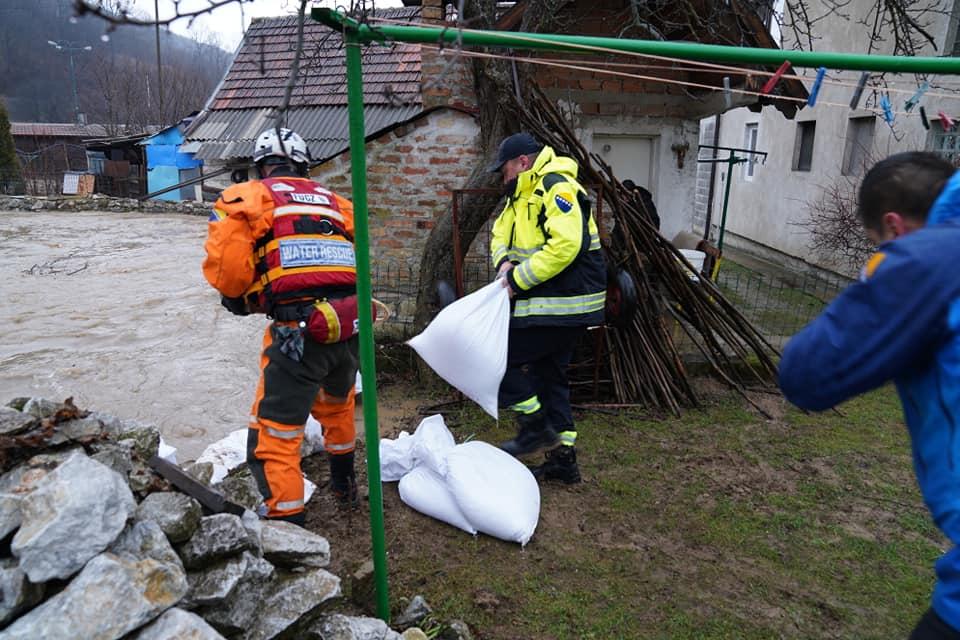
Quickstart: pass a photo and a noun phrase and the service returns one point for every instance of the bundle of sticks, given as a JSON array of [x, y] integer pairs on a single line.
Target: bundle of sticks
[[642, 359]]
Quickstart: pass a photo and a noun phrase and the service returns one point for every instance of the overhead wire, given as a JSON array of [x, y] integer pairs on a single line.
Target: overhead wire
[[701, 66], [685, 83]]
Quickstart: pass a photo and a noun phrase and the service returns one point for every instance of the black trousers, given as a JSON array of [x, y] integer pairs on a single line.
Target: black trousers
[[932, 627], [537, 359]]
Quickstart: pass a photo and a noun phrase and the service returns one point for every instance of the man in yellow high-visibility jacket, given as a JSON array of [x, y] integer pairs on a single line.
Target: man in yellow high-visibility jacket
[[546, 249]]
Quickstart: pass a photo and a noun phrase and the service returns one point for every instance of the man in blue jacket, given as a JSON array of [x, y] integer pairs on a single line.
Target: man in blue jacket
[[901, 322]]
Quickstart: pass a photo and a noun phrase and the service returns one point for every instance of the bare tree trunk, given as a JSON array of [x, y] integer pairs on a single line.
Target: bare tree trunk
[[436, 264]]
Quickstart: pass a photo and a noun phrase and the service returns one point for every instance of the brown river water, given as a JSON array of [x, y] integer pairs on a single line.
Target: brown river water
[[112, 309]]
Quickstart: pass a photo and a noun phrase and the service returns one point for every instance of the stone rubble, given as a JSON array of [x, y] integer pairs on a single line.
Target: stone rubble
[[97, 545], [99, 202]]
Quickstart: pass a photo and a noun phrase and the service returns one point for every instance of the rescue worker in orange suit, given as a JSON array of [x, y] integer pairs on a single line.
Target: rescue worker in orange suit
[[283, 246], [545, 246]]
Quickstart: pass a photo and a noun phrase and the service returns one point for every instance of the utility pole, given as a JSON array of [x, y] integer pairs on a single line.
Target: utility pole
[[156, 26], [71, 48]]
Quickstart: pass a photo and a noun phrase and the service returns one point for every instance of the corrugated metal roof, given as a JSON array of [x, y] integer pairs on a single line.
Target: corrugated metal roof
[[57, 130], [258, 74], [229, 134]]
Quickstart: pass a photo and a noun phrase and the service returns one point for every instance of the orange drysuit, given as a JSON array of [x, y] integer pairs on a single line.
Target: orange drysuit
[[283, 246]]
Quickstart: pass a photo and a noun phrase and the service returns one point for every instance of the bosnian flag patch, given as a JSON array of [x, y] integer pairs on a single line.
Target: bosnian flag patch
[[564, 202]]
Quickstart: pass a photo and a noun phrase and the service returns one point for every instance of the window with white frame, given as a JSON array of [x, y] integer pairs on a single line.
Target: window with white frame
[[750, 142], [858, 145], [803, 145]]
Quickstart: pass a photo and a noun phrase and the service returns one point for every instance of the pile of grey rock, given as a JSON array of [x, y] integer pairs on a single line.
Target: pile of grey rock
[[95, 544], [99, 202]]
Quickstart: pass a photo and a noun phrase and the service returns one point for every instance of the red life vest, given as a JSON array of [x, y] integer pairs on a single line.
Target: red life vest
[[308, 254]]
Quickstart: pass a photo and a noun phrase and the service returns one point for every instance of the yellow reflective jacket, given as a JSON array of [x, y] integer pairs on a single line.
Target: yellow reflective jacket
[[546, 229]]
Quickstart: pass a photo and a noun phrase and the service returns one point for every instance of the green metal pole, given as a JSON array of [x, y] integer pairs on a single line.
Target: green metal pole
[[731, 161], [683, 50], [358, 170]]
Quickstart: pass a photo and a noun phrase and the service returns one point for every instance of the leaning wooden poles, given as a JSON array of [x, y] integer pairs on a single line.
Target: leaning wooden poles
[[644, 361]]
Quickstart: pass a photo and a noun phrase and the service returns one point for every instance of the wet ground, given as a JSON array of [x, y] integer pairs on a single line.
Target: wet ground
[[112, 309]]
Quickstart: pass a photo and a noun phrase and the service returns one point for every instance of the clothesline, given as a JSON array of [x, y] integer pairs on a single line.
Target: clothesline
[[696, 85], [707, 67]]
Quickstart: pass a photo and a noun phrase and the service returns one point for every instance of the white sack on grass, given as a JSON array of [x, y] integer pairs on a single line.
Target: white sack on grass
[[496, 492], [473, 486], [466, 344], [425, 491], [428, 445], [396, 459]]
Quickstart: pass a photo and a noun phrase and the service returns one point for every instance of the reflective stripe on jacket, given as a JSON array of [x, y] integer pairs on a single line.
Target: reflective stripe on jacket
[[279, 240], [559, 277]]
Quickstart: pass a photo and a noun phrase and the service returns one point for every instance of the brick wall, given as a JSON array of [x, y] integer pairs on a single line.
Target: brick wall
[[411, 173], [447, 77]]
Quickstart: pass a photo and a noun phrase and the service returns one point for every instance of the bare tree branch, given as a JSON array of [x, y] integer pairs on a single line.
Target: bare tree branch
[[126, 16], [294, 68]]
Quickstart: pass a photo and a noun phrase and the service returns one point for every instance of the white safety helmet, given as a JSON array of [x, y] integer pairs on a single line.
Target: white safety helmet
[[281, 143]]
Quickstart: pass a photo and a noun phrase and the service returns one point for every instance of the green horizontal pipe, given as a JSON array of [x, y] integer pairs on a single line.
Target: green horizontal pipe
[[682, 50]]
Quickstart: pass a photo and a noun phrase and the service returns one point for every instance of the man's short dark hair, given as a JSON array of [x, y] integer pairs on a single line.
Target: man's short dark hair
[[905, 183]]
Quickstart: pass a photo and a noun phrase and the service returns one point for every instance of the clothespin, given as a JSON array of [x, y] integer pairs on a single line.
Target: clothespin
[[923, 118], [945, 121], [727, 95], [861, 83], [887, 109], [912, 102], [815, 89], [775, 78]]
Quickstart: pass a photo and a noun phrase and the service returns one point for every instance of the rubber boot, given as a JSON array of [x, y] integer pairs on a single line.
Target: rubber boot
[[560, 464], [534, 436], [343, 481]]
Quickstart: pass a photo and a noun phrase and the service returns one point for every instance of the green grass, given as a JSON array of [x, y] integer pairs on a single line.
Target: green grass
[[718, 524]]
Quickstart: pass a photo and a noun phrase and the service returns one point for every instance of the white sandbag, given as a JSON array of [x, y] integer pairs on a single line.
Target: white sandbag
[[225, 454], [432, 441], [425, 491], [495, 491], [473, 486], [231, 451], [428, 445], [167, 452], [466, 344], [312, 437], [396, 458]]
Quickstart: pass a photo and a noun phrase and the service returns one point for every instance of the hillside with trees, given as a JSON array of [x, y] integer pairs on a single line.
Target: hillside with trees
[[116, 79]]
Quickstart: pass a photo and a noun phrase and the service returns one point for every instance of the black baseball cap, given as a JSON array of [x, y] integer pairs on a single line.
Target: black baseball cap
[[519, 144]]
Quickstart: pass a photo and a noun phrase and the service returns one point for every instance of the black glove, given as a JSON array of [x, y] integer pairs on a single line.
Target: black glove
[[236, 306]]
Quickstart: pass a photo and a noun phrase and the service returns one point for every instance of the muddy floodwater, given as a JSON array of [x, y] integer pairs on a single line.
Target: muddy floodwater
[[112, 309]]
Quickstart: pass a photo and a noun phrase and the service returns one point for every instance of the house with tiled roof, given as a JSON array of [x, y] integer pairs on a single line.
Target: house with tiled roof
[[244, 103], [421, 112]]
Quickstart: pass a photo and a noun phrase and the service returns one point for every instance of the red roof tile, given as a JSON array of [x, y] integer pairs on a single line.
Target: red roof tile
[[258, 74]]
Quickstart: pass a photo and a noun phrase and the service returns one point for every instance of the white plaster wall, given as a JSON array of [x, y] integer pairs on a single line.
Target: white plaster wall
[[769, 209], [675, 190]]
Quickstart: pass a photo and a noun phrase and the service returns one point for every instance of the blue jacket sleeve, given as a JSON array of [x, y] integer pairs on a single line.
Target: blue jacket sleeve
[[872, 332]]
